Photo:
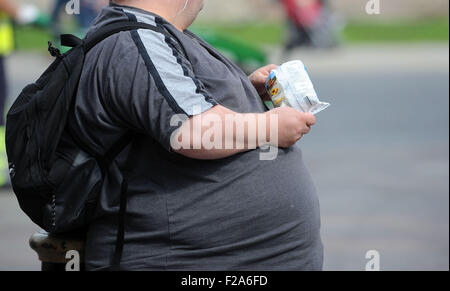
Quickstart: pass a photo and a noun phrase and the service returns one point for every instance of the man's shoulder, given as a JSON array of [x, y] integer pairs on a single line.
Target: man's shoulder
[[121, 42], [121, 46]]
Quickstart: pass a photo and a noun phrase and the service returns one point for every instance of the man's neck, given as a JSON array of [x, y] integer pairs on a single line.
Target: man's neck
[[157, 8]]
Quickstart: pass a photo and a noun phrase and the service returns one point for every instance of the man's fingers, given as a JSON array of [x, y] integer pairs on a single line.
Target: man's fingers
[[310, 119], [306, 129], [271, 67]]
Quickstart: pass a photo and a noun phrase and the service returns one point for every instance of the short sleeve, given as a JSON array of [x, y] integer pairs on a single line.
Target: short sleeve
[[150, 82]]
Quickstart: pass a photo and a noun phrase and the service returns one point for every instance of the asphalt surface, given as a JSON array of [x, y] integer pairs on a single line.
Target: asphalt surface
[[379, 157]]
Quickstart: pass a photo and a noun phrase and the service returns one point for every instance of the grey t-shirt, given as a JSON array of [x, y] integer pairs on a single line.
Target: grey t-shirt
[[237, 213]]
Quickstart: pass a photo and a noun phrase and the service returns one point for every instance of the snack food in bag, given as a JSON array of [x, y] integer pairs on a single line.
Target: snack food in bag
[[290, 85]]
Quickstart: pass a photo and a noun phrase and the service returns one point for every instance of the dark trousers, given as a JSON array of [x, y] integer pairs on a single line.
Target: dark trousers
[[3, 90]]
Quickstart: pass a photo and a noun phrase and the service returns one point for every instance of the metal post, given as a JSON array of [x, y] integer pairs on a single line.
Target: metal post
[[52, 250]]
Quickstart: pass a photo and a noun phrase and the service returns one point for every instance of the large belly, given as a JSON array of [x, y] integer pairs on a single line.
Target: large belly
[[237, 214], [246, 202]]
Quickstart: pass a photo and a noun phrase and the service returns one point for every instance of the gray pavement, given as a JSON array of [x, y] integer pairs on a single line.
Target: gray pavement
[[379, 157]]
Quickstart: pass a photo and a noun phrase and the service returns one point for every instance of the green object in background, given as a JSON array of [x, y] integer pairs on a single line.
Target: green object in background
[[255, 33], [32, 38], [43, 20], [422, 30], [243, 53]]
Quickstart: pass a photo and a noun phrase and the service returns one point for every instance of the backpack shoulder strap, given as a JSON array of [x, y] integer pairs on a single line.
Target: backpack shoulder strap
[[117, 27], [105, 32], [88, 43]]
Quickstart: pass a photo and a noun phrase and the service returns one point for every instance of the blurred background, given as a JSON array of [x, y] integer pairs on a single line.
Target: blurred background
[[379, 156]]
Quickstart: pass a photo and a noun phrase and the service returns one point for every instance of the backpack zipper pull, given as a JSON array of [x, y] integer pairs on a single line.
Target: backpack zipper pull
[[54, 52]]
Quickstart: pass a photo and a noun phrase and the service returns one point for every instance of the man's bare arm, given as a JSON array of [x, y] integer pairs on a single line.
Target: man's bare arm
[[291, 126], [197, 151]]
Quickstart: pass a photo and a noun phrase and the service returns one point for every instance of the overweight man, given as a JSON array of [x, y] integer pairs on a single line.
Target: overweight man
[[187, 205]]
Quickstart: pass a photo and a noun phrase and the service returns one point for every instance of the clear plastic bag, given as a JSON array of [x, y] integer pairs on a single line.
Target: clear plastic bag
[[290, 85]]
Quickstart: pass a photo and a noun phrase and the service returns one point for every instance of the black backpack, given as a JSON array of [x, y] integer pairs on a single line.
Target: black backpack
[[55, 177]]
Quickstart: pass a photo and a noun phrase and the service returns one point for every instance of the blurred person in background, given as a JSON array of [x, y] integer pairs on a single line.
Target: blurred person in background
[[310, 23], [89, 9], [22, 15]]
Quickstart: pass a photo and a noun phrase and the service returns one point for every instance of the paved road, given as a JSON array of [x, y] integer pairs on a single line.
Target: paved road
[[379, 157]]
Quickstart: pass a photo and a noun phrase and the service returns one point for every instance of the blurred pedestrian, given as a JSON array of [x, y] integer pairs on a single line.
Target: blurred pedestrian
[[310, 23], [25, 14], [58, 6], [89, 9]]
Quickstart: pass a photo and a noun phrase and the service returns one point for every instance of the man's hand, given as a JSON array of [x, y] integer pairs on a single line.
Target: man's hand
[[292, 125], [259, 78]]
